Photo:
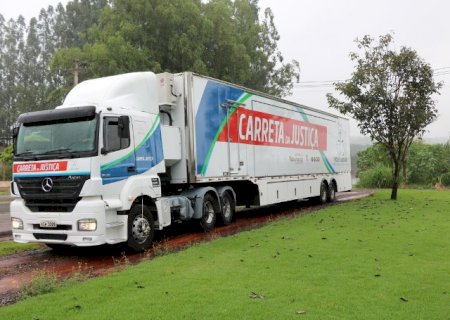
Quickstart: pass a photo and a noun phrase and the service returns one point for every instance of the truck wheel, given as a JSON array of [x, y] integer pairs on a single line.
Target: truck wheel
[[228, 209], [332, 193], [210, 207], [141, 228], [323, 195]]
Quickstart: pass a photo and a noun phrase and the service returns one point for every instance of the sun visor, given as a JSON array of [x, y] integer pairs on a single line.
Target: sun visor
[[57, 114]]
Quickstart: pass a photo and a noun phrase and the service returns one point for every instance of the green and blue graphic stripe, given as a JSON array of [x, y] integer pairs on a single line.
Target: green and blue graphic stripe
[[132, 152], [51, 174], [147, 154], [242, 99], [211, 118], [325, 160]]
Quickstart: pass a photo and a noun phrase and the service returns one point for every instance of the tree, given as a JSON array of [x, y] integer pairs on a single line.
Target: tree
[[11, 59], [226, 39], [390, 95], [26, 49], [219, 38]]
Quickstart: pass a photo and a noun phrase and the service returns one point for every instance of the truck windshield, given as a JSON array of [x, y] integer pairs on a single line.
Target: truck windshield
[[66, 137]]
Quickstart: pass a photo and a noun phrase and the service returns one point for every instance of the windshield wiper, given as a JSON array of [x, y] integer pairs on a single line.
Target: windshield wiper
[[25, 153], [59, 150]]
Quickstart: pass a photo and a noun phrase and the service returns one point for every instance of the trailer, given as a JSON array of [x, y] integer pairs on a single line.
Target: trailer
[[128, 155]]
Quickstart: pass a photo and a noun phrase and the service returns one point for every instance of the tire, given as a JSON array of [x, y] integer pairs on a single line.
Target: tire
[[332, 193], [141, 228], [228, 209], [210, 208], [323, 195]]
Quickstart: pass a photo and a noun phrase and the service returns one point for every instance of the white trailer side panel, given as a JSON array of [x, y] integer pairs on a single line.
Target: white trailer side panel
[[240, 134]]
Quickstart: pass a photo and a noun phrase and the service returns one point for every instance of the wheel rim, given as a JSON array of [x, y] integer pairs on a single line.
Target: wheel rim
[[209, 212], [332, 193], [141, 229], [226, 207]]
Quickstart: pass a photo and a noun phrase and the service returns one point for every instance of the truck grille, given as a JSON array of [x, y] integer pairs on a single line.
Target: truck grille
[[63, 196], [50, 236]]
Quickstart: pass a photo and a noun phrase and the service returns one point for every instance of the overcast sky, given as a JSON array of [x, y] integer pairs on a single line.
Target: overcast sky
[[320, 34]]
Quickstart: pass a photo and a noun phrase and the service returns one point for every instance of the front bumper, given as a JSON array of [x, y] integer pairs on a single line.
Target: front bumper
[[111, 228]]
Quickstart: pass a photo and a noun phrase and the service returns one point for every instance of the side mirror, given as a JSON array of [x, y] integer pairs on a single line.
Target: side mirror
[[15, 132]]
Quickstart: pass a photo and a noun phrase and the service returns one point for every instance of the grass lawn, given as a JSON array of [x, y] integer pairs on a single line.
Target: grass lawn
[[9, 247], [5, 191], [368, 259]]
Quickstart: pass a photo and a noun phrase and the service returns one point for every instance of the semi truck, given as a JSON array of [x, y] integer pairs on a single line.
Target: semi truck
[[127, 155]]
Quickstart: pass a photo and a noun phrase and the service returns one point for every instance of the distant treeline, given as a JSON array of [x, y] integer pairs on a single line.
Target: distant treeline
[[41, 59]]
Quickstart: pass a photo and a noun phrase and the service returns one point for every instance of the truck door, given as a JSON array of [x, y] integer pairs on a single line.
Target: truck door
[[236, 152], [118, 158]]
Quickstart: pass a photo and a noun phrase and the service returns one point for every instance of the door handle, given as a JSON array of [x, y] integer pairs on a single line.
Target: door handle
[[131, 169]]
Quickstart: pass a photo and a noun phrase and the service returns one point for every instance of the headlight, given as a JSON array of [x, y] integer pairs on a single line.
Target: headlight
[[87, 225], [16, 223]]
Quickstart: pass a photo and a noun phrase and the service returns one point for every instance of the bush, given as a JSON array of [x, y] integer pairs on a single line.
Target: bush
[[378, 177], [372, 157], [445, 179], [43, 282], [6, 159], [423, 166]]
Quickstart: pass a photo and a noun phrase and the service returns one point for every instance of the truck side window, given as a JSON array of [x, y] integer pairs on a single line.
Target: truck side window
[[113, 136]]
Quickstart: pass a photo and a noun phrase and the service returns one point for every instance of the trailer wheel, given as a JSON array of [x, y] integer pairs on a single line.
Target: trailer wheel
[[323, 195], [332, 192], [141, 228], [228, 209], [210, 207]]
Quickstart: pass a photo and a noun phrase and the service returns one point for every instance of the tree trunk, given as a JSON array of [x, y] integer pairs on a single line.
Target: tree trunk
[[395, 179]]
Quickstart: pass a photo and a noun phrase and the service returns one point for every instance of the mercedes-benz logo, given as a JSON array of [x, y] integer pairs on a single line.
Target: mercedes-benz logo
[[47, 184]]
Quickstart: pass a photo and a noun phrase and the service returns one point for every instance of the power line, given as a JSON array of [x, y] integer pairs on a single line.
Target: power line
[[317, 83], [437, 71], [321, 81], [441, 73], [313, 86], [330, 83], [441, 68]]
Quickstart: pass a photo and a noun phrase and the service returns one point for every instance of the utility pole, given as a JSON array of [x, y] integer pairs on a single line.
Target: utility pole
[[79, 66], [76, 72]]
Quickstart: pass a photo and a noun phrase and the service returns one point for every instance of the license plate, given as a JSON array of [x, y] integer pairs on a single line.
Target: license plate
[[48, 224]]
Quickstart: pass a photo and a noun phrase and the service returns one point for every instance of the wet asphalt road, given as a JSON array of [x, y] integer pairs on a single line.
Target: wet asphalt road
[[5, 224]]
